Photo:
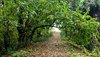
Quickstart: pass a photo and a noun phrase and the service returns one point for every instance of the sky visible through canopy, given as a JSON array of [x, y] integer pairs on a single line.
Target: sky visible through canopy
[[56, 29]]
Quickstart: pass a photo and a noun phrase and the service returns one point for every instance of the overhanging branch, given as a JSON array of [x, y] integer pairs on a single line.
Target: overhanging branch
[[41, 26]]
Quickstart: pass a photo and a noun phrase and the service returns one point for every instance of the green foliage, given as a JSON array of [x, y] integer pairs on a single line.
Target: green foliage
[[23, 22], [19, 53], [41, 35], [78, 29], [94, 53]]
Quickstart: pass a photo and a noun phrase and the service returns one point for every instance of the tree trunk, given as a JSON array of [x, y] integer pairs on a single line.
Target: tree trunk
[[6, 36]]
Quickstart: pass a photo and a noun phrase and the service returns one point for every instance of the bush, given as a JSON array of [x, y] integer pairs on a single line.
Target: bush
[[81, 31], [41, 34], [8, 36]]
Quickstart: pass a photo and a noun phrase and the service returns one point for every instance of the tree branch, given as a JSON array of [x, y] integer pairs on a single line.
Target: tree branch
[[41, 26]]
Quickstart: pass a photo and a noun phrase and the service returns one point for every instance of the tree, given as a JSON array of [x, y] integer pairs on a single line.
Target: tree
[[23, 18]]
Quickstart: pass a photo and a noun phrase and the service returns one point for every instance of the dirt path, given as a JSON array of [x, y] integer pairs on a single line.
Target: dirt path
[[51, 48]]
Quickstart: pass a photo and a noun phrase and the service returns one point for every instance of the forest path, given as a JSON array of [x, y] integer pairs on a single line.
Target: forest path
[[52, 48]]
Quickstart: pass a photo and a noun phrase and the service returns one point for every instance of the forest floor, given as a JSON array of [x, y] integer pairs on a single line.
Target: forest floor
[[51, 48]]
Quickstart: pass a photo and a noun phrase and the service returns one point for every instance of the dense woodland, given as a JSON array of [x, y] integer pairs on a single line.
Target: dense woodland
[[23, 22]]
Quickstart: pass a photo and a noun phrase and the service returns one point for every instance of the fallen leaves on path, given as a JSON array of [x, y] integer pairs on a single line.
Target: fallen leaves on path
[[51, 48]]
